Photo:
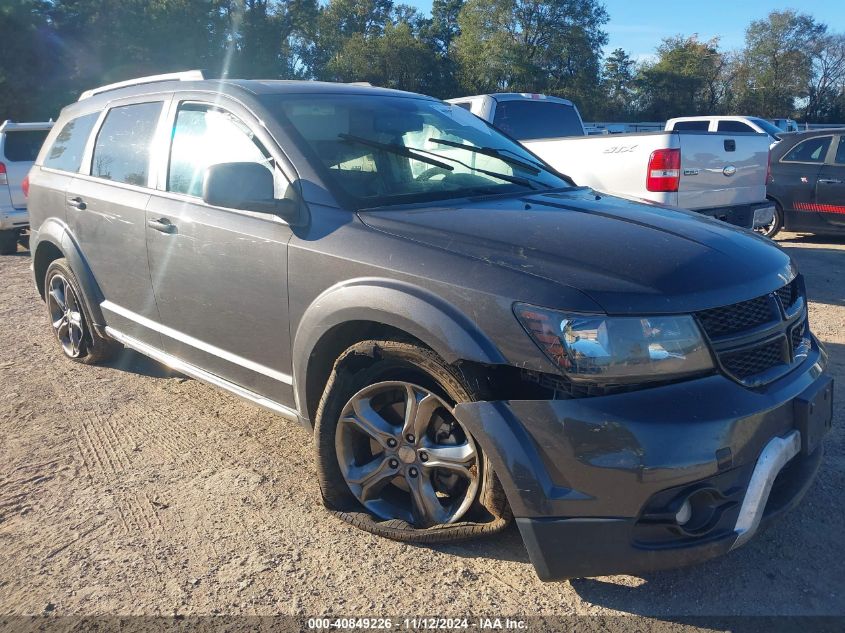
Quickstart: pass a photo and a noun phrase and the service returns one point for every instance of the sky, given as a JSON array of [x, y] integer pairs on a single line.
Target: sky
[[638, 26]]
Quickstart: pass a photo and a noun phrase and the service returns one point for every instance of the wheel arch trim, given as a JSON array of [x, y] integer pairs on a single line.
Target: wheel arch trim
[[57, 233], [416, 311]]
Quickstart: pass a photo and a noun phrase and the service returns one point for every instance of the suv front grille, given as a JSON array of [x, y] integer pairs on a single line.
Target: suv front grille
[[746, 363], [737, 317], [758, 340]]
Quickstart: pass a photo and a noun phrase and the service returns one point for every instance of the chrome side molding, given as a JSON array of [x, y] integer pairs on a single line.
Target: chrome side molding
[[200, 374], [771, 461]]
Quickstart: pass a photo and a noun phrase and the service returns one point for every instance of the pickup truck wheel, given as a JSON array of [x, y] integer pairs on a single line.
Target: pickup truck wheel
[[774, 227], [70, 317], [391, 457], [8, 242]]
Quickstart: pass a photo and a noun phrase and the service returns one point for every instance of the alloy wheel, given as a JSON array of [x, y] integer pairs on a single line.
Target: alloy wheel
[[405, 456], [66, 316]]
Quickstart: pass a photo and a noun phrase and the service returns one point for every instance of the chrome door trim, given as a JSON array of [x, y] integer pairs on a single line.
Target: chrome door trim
[[200, 374], [196, 343]]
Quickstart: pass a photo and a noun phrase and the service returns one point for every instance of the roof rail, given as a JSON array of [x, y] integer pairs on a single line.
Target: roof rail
[[186, 75]]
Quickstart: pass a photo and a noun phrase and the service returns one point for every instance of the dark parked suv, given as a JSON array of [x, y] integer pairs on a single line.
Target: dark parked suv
[[471, 337]]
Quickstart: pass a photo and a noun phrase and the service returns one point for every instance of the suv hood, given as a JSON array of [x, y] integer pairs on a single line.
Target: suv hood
[[629, 257]]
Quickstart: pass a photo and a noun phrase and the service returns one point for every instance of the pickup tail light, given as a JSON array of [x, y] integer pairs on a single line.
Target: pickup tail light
[[664, 170], [25, 186], [3, 180]]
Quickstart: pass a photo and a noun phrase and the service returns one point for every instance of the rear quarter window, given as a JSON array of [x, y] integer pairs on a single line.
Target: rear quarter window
[[23, 145], [66, 151]]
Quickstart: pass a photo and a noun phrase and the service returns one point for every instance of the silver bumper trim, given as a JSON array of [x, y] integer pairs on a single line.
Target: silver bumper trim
[[771, 461]]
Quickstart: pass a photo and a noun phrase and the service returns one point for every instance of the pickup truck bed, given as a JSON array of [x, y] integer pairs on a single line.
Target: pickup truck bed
[[722, 175]]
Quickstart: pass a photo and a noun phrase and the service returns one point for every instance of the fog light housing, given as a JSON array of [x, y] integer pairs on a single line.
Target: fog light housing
[[684, 513]]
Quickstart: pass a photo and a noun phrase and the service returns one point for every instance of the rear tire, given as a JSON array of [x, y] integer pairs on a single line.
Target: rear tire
[[774, 228], [9, 242], [433, 487], [70, 317]]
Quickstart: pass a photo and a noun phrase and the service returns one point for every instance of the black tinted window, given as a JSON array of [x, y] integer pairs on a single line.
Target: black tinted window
[[812, 150], [693, 126], [23, 145], [66, 152], [122, 151], [734, 126], [840, 152], [525, 120]]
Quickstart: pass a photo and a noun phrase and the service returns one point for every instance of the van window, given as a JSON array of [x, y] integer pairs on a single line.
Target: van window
[[525, 120], [204, 136], [23, 145], [67, 149], [122, 151], [735, 126], [691, 126], [812, 150]]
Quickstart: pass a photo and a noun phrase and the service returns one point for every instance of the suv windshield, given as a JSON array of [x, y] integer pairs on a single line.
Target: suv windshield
[[375, 151]]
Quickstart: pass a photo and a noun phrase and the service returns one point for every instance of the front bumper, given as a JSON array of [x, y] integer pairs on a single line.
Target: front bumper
[[748, 216], [12, 218], [595, 483]]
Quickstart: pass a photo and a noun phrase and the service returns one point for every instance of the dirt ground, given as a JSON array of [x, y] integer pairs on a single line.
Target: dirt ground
[[130, 490]]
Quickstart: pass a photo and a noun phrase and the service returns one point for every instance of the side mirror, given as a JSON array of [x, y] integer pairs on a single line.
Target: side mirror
[[245, 186]]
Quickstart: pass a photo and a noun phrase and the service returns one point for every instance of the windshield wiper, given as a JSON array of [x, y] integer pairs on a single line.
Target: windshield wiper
[[490, 151], [517, 180], [400, 150]]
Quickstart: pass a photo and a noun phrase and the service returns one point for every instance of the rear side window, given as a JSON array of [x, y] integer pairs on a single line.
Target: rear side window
[[840, 152], [525, 120], [813, 150], [67, 149], [734, 126], [205, 136], [23, 145], [691, 126], [122, 151]]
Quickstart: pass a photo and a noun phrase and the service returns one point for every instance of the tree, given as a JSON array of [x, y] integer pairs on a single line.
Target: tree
[[532, 46], [394, 59], [826, 92], [777, 63], [686, 79], [618, 84], [28, 49]]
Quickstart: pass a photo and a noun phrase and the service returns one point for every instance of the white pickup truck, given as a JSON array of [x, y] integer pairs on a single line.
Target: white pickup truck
[[721, 175]]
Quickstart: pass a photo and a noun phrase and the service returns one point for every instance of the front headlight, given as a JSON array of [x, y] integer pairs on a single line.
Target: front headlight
[[617, 349]]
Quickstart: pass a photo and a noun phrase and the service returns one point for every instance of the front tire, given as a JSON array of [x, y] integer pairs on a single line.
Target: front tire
[[391, 457], [70, 317]]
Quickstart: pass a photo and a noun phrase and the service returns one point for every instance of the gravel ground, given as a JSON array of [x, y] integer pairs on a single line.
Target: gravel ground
[[129, 490]]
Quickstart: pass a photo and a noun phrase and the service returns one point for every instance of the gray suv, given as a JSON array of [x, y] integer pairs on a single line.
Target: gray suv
[[471, 337]]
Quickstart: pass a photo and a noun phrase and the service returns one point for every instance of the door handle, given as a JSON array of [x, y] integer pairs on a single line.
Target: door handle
[[830, 181], [162, 224], [77, 203]]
